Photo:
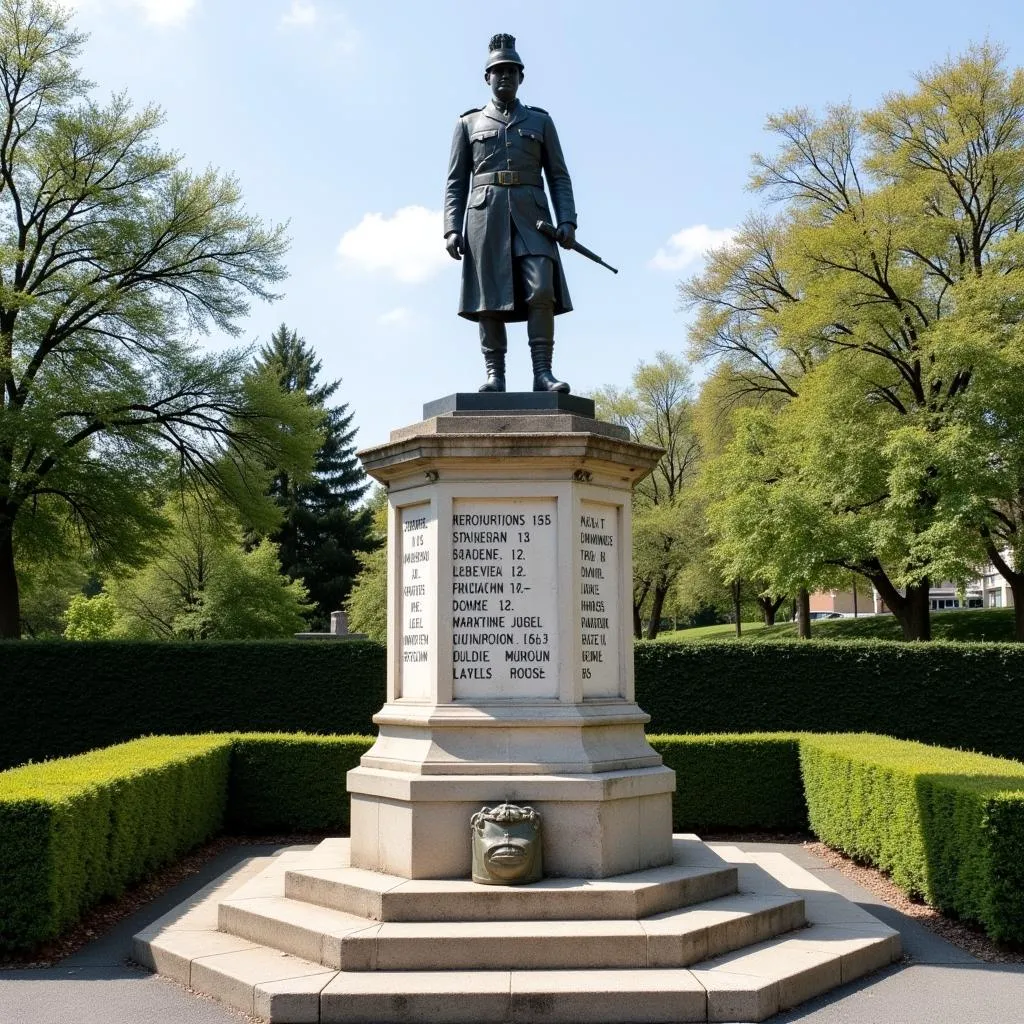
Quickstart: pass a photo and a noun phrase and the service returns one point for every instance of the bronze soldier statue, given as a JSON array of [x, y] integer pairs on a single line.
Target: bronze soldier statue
[[511, 271]]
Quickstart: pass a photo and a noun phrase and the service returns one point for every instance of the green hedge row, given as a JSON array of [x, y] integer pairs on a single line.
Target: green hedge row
[[735, 781], [964, 695], [80, 829], [69, 697], [59, 698], [292, 783], [946, 825]]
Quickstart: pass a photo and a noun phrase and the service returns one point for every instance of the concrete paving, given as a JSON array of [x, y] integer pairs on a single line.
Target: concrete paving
[[938, 984]]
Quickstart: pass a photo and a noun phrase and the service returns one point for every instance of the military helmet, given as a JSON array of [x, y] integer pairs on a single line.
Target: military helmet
[[502, 50]]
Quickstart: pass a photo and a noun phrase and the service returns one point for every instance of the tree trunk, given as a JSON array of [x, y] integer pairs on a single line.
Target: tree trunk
[[770, 608], [1016, 581], [736, 606], [660, 593], [638, 607], [10, 605], [917, 619], [803, 613], [912, 610]]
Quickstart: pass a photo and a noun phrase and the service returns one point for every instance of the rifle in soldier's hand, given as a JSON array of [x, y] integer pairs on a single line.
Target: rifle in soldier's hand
[[549, 229]]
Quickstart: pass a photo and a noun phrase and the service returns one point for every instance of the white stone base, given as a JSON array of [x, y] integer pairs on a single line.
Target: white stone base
[[594, 826], [511, 738], [783, 938]]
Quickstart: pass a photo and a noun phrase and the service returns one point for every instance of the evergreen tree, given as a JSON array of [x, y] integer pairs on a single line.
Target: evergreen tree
[[322, 531]]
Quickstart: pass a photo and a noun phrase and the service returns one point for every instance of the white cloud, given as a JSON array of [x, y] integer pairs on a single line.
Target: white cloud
[[300, 14], [156, 12], [395, 317], [687, 247], [165, 12], [409, 244], [335, 34]]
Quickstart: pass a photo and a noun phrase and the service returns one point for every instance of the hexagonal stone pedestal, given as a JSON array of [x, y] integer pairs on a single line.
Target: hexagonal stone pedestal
[[510, 678], [717, 935]]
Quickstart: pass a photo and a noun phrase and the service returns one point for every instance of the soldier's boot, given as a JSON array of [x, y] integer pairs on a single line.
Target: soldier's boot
[[541, 326], [543, 379], [493, 343], [495, 364]]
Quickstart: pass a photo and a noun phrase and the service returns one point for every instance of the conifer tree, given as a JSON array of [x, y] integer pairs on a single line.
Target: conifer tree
[[323, 530]]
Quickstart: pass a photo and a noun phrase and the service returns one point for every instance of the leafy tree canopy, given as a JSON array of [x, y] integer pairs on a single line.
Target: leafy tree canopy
[[114, 260], [199, 584], [367, 604], [874, 313], [657, 410]]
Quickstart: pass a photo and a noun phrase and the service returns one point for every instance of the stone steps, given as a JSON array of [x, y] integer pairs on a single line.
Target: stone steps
[[696, 875], [721, 983], [673, 939], [747, 986]]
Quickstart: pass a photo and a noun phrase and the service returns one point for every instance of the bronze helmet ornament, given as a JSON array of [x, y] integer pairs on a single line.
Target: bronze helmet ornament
[[502, 50]]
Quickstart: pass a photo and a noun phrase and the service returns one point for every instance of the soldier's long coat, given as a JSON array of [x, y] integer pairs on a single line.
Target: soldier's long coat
[[487, 141]]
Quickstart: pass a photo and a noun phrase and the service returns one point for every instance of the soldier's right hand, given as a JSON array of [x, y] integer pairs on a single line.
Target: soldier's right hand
[[454, 244]]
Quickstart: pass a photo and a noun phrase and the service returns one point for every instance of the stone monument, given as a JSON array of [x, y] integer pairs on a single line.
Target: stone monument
[[510, 715], [510, 668], [510, 681]]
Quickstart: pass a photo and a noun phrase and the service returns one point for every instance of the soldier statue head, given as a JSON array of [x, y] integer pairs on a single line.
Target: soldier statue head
[[504, 69]]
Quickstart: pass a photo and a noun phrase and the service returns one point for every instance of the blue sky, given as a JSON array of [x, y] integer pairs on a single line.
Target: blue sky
[[337, 118]]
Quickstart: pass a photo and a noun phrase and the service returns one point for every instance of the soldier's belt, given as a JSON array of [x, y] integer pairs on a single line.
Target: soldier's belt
[[507, 178]]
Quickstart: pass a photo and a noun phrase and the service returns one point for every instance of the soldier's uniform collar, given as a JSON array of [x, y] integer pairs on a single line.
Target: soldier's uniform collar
[[494, 111]]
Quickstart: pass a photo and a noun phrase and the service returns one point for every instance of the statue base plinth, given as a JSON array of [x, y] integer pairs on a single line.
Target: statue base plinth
[[510, 679], [595, 826]]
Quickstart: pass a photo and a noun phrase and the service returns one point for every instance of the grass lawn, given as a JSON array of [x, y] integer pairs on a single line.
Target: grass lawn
[[723, 631], [977, 624]]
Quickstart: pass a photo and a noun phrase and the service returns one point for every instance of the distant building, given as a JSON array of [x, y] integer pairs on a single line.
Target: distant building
[[828, 601], [989, 590]]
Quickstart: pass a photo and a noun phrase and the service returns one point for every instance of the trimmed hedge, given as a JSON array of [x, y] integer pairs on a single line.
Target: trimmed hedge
[[961, 695], [68, 697], [948, 826], [945, 824], [291, 783], [735, 781], [296, 782], [80, 829]]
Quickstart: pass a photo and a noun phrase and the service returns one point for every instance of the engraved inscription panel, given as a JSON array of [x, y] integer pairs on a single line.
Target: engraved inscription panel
[[503, 598], [598, 599], [418, 647]]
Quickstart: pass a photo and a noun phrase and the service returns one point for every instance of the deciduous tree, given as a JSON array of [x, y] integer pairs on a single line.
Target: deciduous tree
[[200, 583], [113, 258], [864, 285], [367, 604], [656, 408]]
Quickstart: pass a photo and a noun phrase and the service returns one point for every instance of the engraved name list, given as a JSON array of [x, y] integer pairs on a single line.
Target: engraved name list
[[598, 590], [503, 603]]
